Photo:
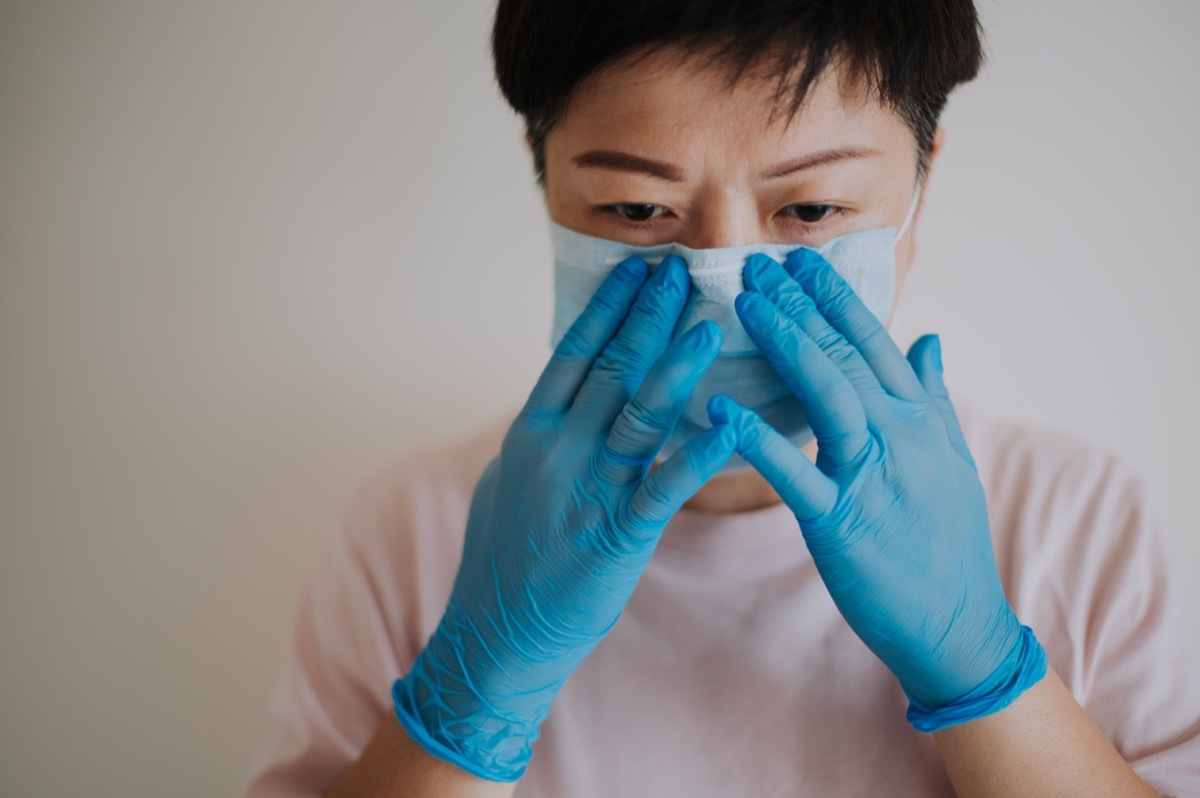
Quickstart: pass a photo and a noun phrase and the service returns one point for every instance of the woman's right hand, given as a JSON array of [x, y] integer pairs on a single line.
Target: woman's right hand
[[564, 521]]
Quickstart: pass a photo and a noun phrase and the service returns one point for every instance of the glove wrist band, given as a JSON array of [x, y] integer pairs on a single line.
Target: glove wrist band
[[500, 754], [461, 704], [1024, 667]]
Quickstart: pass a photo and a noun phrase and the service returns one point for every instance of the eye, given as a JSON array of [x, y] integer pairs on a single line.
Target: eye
[[811, 214], [636, 212]]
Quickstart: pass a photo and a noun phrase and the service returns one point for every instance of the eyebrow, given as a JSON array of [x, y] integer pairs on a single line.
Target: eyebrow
[[624, 162], [816, 159]]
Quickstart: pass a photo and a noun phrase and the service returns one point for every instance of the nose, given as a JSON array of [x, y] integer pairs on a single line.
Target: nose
[[723, 218]]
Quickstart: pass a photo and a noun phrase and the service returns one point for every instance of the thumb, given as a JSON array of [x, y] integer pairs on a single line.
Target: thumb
[[925, 357]]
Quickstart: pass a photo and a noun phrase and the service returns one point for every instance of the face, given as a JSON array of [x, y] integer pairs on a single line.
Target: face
[[656, 150]]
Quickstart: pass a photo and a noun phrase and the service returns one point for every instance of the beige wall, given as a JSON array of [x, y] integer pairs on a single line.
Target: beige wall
[[250, 250]]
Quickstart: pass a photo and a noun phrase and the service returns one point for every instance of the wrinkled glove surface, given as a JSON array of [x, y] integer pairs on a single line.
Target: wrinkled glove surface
[[892, 510], [563, 523]]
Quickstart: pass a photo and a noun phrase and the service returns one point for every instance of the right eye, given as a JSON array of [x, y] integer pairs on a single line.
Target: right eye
[[636, 212], [811, 214]]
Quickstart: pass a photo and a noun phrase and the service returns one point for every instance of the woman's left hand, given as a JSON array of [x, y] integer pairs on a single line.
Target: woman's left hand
[[893, 511]]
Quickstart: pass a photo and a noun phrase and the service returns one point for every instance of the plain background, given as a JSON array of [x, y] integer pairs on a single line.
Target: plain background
[[251, 251]]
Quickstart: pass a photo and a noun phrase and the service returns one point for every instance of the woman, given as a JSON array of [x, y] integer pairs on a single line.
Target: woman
[[736, 542]]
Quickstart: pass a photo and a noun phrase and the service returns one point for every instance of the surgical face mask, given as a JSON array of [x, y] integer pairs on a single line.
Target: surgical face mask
[[866, 260]]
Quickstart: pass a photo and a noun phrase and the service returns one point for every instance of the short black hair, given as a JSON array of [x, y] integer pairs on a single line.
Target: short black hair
[[911, 53]]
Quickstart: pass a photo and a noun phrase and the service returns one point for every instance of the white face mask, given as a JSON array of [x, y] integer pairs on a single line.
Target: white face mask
[[866, 260]]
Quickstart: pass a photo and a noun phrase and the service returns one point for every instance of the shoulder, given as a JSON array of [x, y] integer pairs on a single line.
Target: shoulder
[[1081, 554], [1077, 543], [426, 482], [1071, 521], [368, 606], [403, 526], [1047, 483]]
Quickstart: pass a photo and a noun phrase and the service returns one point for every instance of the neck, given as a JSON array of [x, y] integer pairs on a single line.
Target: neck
[[740, 492]]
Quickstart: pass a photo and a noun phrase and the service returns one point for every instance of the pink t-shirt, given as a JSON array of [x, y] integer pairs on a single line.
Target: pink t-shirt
[[730, 672]]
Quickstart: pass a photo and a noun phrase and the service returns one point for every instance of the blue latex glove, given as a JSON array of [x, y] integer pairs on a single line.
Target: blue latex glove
[[892, 510], [563, 522]]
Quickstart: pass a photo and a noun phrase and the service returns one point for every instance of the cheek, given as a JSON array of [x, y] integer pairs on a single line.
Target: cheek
[[905, 254]]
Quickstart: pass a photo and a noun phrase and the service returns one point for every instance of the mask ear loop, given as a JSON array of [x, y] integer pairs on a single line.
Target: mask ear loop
[[912, 211]]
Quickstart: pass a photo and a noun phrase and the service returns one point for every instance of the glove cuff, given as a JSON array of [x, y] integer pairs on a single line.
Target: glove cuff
[[501, 756], [1024, 667]]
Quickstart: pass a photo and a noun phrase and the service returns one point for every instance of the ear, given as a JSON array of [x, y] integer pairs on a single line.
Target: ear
[[909, 254], [939, 138], [528, 140]]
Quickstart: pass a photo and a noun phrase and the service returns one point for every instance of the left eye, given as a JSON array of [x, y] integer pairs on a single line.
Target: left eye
[[637, 212], [811, 213]]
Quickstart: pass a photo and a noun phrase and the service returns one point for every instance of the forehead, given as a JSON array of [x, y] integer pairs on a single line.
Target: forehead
[[685, 101]]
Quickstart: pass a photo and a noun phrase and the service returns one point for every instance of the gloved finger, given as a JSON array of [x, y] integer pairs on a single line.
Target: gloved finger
[[624, 362], [838, 303], [801, 485], [766, 277], [925, 355], [586, 339], [648, 419], [667, 487], [830, 403]]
